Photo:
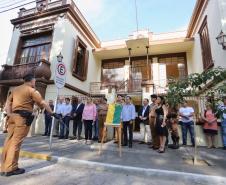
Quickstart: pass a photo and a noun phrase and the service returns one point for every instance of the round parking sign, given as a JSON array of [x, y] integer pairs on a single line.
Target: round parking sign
[[60, 75]]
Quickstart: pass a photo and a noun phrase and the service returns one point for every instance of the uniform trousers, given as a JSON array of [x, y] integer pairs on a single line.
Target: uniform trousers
[[17, 131]]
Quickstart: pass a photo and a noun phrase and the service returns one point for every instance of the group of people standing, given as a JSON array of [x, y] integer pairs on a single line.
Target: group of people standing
[[90, 115], [159, 120]]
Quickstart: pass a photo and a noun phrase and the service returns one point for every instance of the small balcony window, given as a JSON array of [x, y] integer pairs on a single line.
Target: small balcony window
[[34, 48], [80, 60]]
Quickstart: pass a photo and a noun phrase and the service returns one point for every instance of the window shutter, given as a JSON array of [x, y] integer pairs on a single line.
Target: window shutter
[[86, 65]]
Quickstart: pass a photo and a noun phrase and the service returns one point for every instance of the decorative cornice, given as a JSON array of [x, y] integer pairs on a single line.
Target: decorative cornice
[[61, 10], [197, 12]]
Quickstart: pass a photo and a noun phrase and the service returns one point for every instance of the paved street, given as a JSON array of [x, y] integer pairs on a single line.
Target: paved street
[[75, 163]]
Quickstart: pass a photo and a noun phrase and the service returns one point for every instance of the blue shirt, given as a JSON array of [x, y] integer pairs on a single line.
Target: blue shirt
[[128, 112]]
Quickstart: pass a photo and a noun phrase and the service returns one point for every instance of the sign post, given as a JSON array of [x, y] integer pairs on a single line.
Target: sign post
[[59, 80]]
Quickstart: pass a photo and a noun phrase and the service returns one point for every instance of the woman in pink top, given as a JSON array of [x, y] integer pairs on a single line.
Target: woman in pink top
[[210, 126], [89, 117]]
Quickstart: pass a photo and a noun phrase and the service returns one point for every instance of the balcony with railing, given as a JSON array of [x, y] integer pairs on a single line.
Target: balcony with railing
[[122, 87], [40, 68]]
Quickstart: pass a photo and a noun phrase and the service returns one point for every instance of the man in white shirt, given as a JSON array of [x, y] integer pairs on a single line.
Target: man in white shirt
[[60, 103], [143, 115], [66, 115], [187, 113]]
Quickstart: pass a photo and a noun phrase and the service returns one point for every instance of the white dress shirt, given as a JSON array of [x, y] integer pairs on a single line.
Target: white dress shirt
[[66, 109]]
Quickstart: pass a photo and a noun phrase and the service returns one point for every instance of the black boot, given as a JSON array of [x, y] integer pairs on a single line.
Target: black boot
[[173, 146], [177, 139]]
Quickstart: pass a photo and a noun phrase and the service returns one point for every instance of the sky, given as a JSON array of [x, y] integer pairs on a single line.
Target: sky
[[114, 19]]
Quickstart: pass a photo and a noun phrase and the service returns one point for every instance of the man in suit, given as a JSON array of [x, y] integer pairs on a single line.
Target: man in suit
[[143, 115], [77, 111]]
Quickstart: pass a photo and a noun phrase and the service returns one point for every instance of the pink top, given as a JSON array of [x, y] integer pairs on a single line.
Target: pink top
[[89, 112], [210, 116]]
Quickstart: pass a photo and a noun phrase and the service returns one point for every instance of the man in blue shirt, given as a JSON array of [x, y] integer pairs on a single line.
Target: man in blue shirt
[[128, 117], [222, 110]]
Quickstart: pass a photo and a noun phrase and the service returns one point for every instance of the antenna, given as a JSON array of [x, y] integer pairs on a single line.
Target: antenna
[[136, 14]]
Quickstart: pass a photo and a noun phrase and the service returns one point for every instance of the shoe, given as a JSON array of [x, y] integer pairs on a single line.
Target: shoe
[[142, 142], [161, 151], [115, 142], [173, 146], [224, 148], [99, 141], [5, 131], [44, 134], [18, 171], [125, 145], [73, 138], [65, 137], [79, 138], [61, 137], [155, 148], [55, 135]]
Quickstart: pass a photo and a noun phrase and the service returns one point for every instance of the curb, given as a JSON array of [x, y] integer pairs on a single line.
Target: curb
[[147, 172], [33, 155]]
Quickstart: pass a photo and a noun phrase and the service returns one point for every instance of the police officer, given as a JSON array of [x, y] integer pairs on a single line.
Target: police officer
[[19, 110]]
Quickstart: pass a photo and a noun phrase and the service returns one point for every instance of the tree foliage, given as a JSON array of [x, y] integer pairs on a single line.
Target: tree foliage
[[194, 84]]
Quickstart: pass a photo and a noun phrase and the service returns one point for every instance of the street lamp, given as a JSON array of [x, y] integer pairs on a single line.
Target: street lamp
[[221, 39], [60, 57]]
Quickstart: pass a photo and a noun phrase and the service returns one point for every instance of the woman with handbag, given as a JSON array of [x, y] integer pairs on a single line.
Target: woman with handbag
[[210, 125]]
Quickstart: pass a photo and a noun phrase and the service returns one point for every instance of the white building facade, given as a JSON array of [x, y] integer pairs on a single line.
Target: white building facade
[[139, 65]]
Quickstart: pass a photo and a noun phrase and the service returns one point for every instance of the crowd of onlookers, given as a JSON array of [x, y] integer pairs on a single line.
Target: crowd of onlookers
[[156, 119]]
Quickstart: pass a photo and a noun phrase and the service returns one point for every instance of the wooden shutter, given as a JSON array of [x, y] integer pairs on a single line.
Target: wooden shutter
[[205, 45], [85, 68]]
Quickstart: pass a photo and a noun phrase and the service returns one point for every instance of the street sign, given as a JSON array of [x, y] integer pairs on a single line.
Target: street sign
[[60, 75], [60, 80]]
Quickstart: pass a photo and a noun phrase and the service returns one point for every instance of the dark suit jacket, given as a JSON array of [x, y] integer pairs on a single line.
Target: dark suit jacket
[[146, 114], [78, 111]]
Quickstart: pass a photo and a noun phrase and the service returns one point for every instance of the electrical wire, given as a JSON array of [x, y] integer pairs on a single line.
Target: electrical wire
[[4, 3], [12, 4], [9, 9]]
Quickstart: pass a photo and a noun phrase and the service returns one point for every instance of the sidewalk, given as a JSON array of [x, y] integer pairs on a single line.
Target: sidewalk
[[139, 156]]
